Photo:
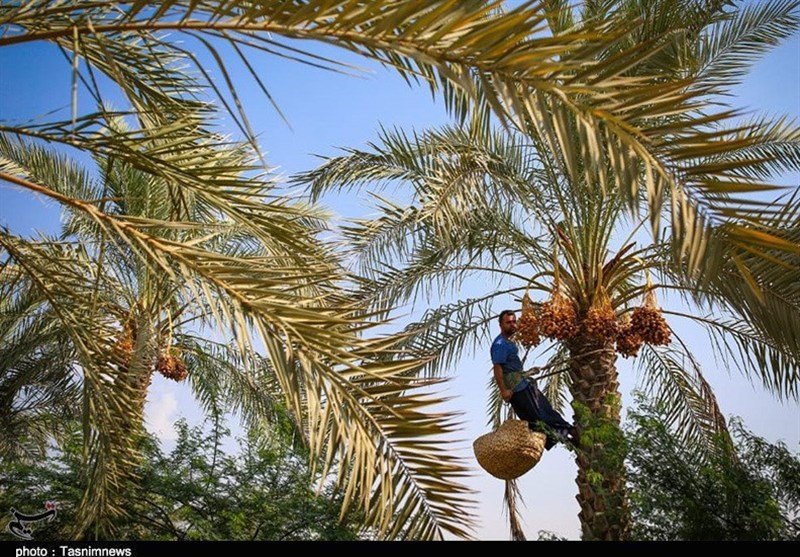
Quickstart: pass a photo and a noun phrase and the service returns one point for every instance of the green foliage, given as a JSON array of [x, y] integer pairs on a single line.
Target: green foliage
[[548, 536], [39, 390], [601, 437], [601, 453], [199, 491], [750, 491]]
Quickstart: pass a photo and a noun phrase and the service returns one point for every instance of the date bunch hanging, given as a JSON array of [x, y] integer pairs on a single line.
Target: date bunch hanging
[[628, 340], [123, 347], [558, 316], [601, 320], [558, 319], [171, 365], [527, 325], [648, 322]]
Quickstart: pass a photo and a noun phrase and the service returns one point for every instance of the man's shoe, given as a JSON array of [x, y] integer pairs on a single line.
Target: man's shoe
[[574, 437]]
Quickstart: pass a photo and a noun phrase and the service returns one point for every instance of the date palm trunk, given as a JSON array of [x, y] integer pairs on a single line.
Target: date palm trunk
[[604, 513], [139, 373], [111, 453]]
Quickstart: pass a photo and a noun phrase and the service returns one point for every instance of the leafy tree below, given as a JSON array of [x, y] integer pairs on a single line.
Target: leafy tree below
[[750, 491], [265, 491]]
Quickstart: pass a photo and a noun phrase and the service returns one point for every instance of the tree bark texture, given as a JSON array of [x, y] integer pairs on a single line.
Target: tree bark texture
[[601, 451]]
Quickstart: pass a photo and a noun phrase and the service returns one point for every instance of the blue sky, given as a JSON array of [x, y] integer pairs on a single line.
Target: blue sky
[[327, 111]]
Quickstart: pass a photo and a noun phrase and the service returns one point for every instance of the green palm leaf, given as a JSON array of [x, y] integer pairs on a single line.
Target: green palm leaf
[[352, 404], [675, 382], [510, 60], [445, 333], [740, 38], [39, 392]]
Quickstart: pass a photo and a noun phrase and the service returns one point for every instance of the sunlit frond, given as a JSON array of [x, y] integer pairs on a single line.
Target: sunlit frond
[[673, 379], [546, 76], [741, 37], [58, 273], [754, 354], [761, 293], [511, 495], [445, 333], [39, 391]]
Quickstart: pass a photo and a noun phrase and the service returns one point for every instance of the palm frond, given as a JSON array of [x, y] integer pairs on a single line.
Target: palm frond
[[445, 333], [511, 495], [394, 430], [776, 151], [754, 354], [223, 382], [730, 47], [184, 163], [39, 391], [552, 85], [392, 457], [463, 169], [58, 273], [674, 381], [428, 274], [384, 238], [737, 157], [469, 188], [759, 290]]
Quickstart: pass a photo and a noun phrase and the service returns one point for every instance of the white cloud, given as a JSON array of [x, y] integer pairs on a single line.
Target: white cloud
[[160, 415]]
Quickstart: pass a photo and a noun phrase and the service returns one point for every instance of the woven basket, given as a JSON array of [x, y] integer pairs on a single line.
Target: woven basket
[[510, 451]]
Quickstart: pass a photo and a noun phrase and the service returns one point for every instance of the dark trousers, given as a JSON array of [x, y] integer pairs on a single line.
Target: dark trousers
[[531, 405]]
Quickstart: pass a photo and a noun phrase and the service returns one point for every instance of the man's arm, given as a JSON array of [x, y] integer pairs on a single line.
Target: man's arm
[[498, 377]]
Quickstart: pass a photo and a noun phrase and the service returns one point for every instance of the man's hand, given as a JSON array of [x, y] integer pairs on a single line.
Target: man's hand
[[505, 394]]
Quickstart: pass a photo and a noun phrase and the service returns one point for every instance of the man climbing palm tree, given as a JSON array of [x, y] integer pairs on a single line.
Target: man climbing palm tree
[[528, 402]]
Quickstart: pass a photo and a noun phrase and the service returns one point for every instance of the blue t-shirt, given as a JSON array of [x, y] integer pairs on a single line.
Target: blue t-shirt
[[506, 353]]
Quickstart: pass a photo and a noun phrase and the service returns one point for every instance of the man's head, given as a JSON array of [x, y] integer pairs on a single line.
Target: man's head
[[508, 322]]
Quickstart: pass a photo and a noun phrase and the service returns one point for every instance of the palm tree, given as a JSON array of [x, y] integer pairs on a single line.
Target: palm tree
[[130, 304], [487, 206], [329, 375], [505, 205], [117, 318], [39, 394]]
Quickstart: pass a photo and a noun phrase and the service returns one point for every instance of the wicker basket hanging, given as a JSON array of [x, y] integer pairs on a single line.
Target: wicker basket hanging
[[510, 451]]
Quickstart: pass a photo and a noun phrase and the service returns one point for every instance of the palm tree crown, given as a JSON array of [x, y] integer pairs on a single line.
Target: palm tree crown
[[531, 209]]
